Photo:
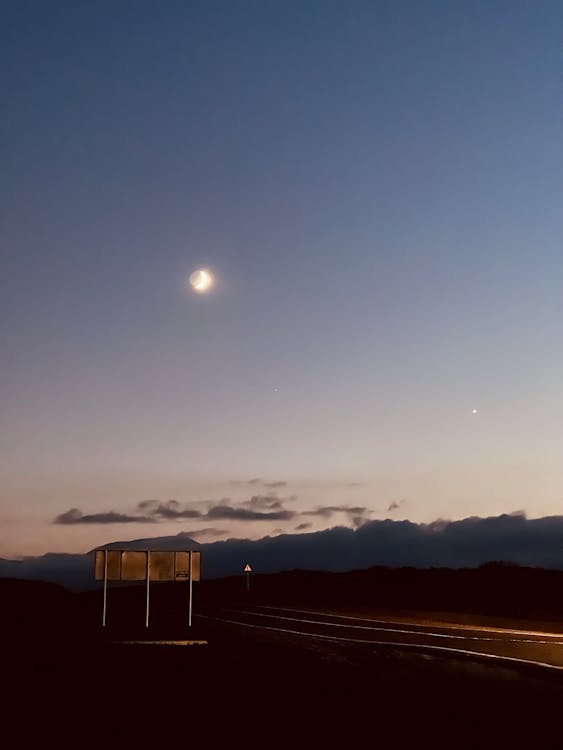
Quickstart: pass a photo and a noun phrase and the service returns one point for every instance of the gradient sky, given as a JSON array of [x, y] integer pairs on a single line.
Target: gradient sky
[[377, 187]]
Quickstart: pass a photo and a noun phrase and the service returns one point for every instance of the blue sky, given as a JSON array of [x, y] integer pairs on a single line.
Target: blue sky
[[377, 189]]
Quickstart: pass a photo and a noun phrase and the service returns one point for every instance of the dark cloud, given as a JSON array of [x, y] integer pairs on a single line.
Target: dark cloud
[[150, 511], [258, 508], [303, 526], [209, 532], [228, 512], [264, 502], [75, 516], [323, 512], [171, 510], [394, 505], [257, 480], [357, 514], [147, 505]]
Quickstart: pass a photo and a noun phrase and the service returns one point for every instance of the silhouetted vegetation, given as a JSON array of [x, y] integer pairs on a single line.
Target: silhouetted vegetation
[[495, 588]]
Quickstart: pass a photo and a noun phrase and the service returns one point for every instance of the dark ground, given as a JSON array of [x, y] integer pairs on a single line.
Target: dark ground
[[67, 682]]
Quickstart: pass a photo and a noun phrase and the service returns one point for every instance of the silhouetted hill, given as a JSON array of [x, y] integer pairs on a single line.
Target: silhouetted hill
[[33, 608], [495, 589]]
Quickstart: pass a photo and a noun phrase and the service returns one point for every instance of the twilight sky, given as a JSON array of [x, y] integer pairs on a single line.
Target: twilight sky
[[377, 188]]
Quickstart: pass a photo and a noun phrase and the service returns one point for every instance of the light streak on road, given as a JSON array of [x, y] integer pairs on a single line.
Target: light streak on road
[[445, 625], [497, 644], [402, 631]]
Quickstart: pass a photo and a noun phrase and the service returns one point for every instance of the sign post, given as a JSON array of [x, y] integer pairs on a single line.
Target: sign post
[[105, 588], [248, 571], [148, 588], [191, 590]]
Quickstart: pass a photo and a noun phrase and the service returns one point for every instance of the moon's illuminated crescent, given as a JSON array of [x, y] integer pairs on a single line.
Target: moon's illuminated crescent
[[201, 280]]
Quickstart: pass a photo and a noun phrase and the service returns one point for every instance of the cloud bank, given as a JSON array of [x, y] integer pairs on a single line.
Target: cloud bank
[[456, 544], [267, 507], [75, 516], [258, 508]]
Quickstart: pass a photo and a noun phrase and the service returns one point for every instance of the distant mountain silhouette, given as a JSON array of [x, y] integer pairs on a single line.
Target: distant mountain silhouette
[[72, 571], [455, 544]]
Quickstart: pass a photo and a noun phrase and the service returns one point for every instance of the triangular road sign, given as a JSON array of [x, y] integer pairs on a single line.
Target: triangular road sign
[[247, 568]]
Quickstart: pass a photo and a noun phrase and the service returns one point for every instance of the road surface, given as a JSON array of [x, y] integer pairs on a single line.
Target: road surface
[[501, 644]]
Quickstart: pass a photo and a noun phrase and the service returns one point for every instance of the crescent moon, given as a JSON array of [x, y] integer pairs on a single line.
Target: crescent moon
[[201, 280]]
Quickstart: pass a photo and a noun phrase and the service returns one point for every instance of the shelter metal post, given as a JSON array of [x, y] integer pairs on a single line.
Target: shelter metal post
[[105, 588], [190, 592], [148, 589]]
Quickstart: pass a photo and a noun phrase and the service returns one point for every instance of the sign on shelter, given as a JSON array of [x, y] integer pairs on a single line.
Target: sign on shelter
[[140, 565]]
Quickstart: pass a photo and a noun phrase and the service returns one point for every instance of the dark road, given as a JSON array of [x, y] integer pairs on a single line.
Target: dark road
[[501, 644]]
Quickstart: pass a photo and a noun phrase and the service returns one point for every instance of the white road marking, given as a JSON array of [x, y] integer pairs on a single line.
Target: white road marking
[[447, 626], [396, 630], [465, 652]]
